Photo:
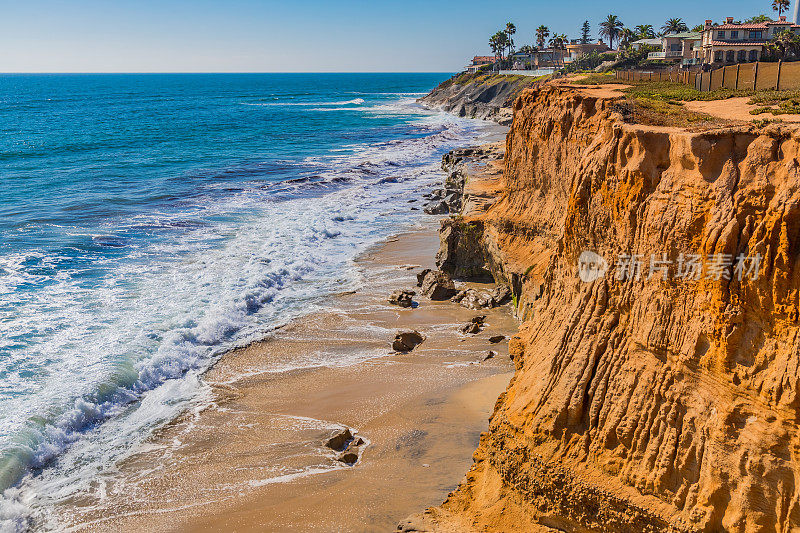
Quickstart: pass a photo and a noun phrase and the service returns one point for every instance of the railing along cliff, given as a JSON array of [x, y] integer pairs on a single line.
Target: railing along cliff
[[758, 75]]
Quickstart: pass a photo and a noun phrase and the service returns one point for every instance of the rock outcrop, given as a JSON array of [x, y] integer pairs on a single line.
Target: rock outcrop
[[485, 96], [474, 174], [640, 402], [347, 444], [402, 298], [472, 299], [437, 285], [406, 341], [339, 440]]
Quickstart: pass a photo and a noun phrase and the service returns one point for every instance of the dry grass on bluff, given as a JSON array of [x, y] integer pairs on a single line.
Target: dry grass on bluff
[[661, 102], [489, 78]]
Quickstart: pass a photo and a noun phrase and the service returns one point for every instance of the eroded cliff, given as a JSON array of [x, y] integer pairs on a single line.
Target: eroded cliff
[[480, 95], [640, 402]]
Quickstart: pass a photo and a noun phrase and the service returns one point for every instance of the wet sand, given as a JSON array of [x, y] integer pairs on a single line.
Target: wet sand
[[251, 457]]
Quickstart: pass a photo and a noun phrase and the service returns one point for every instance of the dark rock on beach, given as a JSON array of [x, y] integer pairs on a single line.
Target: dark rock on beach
[[437, 285], [421, 276], [471, 328], [453, 201], [443, 201], [348, 458], [496, 339], [501, 294], [405, 341], [437, 208], [457, 155], [462, 252], [355, 443], [403, 298], [347, 444], [339, 440], [474, 300]]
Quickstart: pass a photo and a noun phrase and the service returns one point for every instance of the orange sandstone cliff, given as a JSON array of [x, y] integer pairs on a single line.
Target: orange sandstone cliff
[[638, 403]]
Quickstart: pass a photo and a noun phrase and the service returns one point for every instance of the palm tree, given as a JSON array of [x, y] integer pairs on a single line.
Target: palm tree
[[563, 41], [626, 37], [494, 46], [527, 50], [498, 43], [780, 6], [502, 40], [558, 42], [611, 28], [542, 33], [676, 25], [786, 44], [510, 30], [644, 31]]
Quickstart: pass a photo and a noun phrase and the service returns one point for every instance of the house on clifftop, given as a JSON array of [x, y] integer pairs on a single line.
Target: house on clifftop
[[651, 43], [739, 43], [576, 50], [677, 47], [480, 61]]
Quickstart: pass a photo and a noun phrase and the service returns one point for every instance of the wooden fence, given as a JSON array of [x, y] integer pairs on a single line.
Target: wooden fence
[[758, 75]]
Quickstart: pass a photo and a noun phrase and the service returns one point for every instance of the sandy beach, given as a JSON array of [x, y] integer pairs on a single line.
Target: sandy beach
[[251, 457]]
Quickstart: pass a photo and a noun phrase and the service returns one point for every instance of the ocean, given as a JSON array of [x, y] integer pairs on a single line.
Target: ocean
[[149, 223]]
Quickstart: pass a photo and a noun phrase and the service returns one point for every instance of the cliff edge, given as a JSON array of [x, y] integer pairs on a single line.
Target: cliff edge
[[479, 95], [643, 400]]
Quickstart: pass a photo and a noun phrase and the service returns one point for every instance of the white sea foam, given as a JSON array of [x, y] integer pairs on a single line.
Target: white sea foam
[[126, 352], [306, 104], [405, 106]]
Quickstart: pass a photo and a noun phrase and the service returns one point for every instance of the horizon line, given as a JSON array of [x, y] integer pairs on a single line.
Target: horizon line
[[242, 72]]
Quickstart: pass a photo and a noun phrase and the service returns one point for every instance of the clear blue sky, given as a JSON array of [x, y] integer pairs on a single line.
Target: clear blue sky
[[300, 35]]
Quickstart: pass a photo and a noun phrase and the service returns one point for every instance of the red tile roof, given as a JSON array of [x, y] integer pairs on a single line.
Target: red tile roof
[[738, 43], [758, 26]]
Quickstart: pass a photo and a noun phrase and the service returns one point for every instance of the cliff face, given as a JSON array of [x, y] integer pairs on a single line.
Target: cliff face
[[482, 96], [640, 403]]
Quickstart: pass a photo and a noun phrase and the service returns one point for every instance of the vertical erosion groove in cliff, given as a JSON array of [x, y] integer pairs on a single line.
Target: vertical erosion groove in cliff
[[644, 404]]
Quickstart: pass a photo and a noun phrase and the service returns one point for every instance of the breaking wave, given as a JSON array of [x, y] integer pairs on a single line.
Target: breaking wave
[[129, 317]]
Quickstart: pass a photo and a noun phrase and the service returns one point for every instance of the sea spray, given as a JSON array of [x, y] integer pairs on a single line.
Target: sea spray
[[182, 225]]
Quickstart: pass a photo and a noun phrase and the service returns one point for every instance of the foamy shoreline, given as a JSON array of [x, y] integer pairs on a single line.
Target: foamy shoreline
[[192, 393], [355, 201], [254, 456]]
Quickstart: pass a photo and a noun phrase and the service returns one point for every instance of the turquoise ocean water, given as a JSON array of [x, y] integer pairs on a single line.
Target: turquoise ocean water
[[150, 222]]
